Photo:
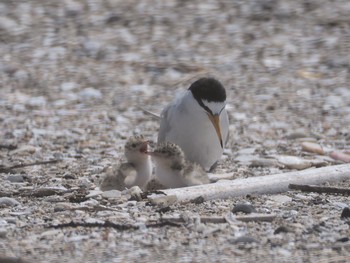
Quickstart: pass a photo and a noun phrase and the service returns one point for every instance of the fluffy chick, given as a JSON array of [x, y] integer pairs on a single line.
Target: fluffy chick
[[172, 168], [138, 166]]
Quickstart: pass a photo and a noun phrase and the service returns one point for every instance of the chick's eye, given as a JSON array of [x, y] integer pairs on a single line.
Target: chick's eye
[[133, 145]]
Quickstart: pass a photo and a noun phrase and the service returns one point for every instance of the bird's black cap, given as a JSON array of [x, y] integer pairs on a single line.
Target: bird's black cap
[[208, 89]]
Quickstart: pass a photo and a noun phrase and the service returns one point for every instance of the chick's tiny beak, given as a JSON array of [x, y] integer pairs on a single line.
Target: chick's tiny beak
[[215, 120]]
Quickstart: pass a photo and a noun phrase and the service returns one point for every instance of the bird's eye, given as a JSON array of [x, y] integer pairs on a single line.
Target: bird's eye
[[133, 145]]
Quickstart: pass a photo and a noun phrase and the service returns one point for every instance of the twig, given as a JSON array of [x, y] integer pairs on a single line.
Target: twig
[[10, 168], [268, 184], [221, 219], [256, 217], [120, 227], [319, 189], [204, 219], [8, 146], [108, 224], [152, 114]]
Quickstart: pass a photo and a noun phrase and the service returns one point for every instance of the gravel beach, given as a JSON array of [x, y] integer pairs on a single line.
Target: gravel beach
[[77, 78]]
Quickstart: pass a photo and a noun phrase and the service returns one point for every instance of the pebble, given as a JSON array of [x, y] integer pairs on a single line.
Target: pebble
[[135, 192], [47, 191], [246, 151], [60, 207], [163, 200], [334, 101], [265, 162], [343, 239], [3, 233], [296, 135], [68, 86], [244, 208], [24, 150], [90, 94], [94, 193], [244, 239], [245, 159], [7, 201], [281, 229], [111, 194], [15, 178], [37, 101], [282, 199], [293, 162], [8, 25], [345, 213], [312, 147], [339, 156]]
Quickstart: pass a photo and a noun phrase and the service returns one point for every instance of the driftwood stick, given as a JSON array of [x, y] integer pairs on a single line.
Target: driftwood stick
[[222, 219], [319, 189], [10, 168], [269, 184], [256, 217]]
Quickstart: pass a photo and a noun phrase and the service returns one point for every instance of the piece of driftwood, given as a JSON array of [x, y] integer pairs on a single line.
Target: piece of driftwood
[[269, 184], [221, 219], [10, 168], [109, 224], [320, 189], [256, 217]]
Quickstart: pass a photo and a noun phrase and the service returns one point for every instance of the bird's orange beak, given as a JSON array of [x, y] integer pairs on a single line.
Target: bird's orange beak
[[215, 120]]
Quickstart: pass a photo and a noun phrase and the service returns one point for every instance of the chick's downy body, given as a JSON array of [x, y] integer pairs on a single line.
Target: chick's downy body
[[138, 167], [172, 168]]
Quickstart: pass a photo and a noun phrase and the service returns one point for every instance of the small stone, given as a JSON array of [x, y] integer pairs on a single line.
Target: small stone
[[37, 101], [244, 239], [345, 213], [246, 151], [340, 156], [8, 25], [68, 86], [312, 147], [111, 194], [90, 94], [24, 150], [244, 208], [3, 233], [15, 178], [265, 162], [198, 200], [62, 207], [135, 192], [245, 159], [7, 201], [282, 199], [47, 191], [281, 229], [163, 200], [94, 193], [293, 162], [296, 135], [343, 239]]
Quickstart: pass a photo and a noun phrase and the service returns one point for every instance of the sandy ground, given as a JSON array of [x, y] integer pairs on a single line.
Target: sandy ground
[[74, 76]]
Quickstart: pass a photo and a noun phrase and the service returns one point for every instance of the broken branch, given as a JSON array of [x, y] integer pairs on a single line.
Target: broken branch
[[319, 189], [269, 184]]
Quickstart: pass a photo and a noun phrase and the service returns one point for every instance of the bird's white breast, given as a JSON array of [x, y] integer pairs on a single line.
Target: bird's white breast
[[187, 124]]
